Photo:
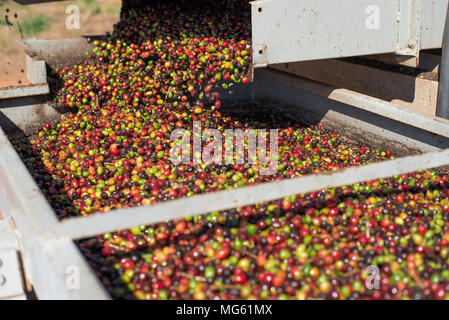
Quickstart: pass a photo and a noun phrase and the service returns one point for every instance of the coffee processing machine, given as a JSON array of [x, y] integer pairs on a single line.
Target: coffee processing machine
[[368, 68]]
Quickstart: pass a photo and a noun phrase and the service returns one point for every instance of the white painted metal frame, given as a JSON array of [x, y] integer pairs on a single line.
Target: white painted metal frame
[[82, 227], [24, 91], [299, 30], [46, 260]]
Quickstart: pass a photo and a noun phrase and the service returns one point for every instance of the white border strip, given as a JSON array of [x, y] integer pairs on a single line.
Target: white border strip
[[82, 227]]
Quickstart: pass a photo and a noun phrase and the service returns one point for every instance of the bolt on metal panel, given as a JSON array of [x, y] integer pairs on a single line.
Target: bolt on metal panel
[[11, 285], [409, 36], [299, 30]]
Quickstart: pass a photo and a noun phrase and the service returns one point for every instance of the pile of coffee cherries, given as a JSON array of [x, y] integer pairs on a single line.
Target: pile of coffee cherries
[[385, 239], [150, 79], [163, 68]]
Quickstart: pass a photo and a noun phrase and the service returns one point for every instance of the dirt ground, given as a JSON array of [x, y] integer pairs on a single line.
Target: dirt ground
[[46, 20]]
